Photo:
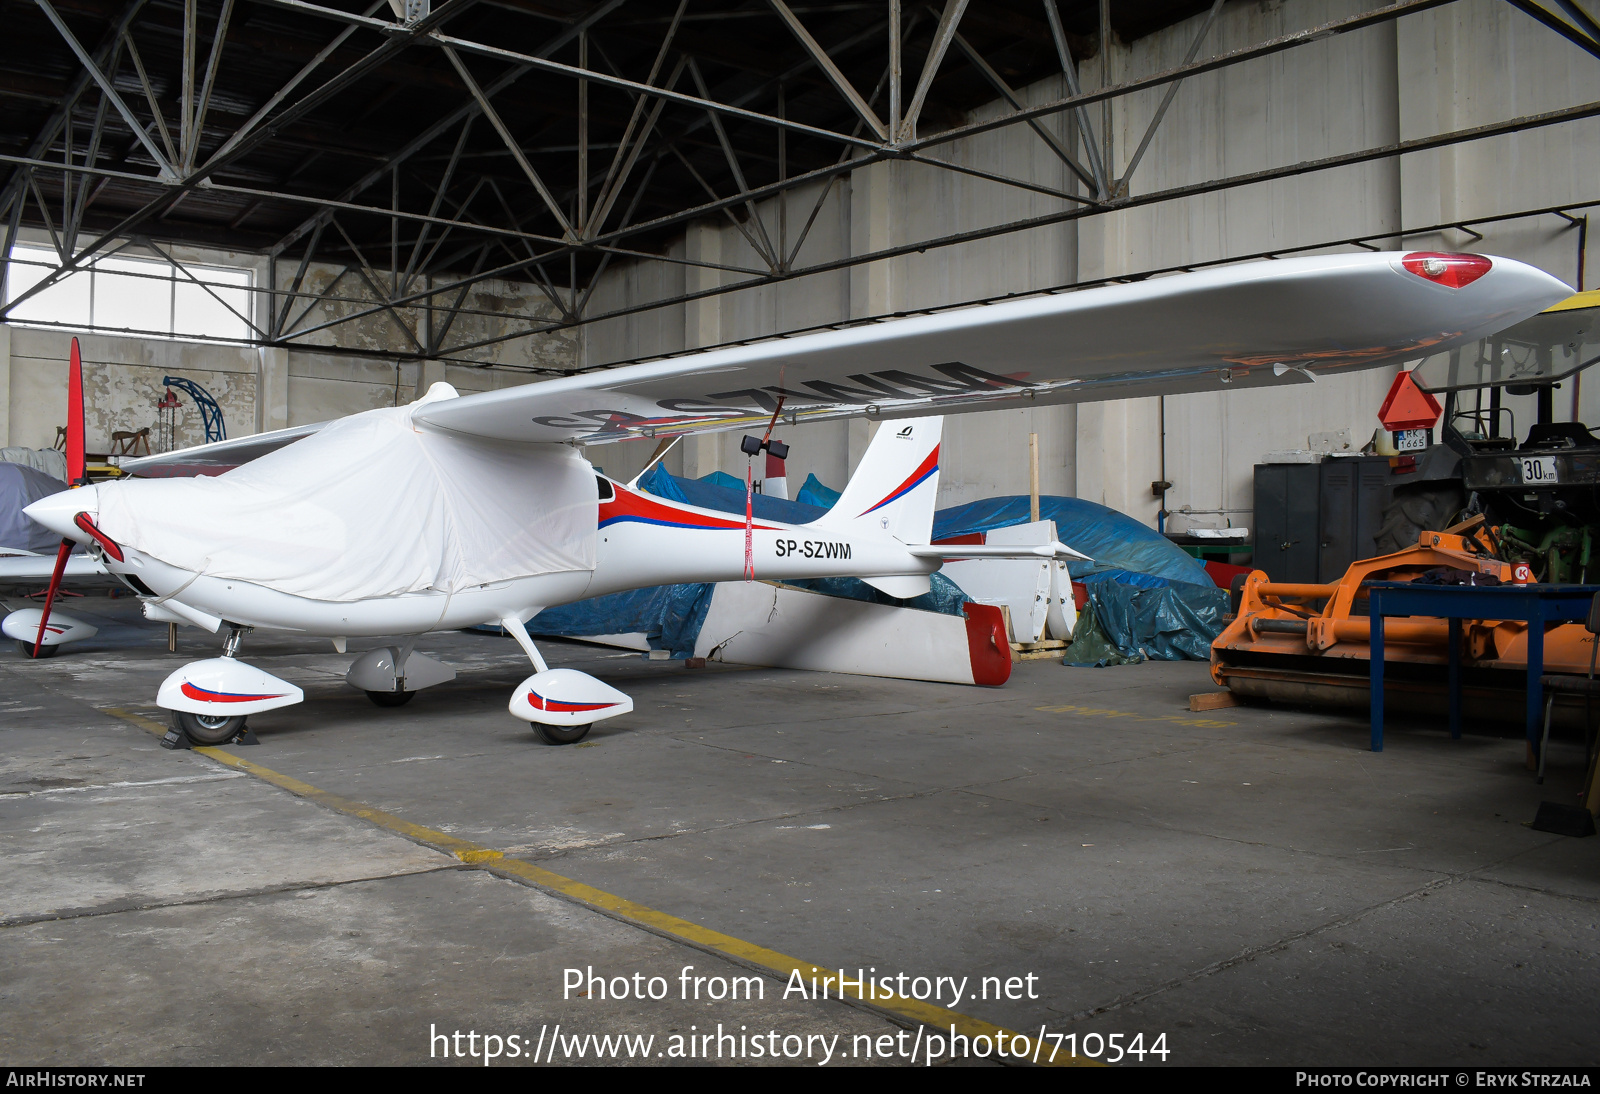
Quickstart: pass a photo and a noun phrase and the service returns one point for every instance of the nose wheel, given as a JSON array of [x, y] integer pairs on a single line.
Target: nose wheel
[[208, 729], [390, 698], [561, 735]]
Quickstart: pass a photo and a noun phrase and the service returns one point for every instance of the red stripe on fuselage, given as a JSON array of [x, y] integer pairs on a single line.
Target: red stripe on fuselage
[[640, 508]]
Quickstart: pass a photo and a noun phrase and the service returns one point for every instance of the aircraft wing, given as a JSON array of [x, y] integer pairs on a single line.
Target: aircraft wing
[[29, 567], [1258, 324], [216, 457]]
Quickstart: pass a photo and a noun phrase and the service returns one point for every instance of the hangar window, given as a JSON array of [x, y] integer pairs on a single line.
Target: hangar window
[[146, 296]]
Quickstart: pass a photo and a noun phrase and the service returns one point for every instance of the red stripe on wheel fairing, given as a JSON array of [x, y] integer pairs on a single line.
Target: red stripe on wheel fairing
[[557, 706], [205, 695]]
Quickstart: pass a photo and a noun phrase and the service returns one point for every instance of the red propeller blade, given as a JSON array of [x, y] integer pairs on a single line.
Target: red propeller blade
[[77, 475], [75, 455], [55, 583]]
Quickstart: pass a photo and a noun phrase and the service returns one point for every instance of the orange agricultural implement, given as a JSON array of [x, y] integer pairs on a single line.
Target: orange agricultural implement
[[1308, 644]]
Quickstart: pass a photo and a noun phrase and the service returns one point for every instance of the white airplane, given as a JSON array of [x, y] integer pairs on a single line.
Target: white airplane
[[456, 511]]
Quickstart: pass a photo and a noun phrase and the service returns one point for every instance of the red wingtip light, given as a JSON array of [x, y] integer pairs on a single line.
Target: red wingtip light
[[1454, 271]]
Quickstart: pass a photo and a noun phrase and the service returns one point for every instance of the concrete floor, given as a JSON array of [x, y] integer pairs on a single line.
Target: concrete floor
[[1250, 882]]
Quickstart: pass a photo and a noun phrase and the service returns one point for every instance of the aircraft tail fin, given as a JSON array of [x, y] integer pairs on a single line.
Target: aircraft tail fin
[[895, 487]]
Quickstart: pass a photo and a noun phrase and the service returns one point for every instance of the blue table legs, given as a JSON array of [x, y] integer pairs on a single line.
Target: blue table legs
[[1535, 675], [1455, 678], [1375, 672]]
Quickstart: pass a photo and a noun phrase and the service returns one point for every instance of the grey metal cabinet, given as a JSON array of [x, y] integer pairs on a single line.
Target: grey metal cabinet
[[1352, 492], [1312, 520], [1286, 520]]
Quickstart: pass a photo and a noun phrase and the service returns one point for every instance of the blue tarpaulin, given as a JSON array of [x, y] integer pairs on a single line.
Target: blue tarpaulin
[[670, 616], [1147, 594], [725, 499], [945, 597], [814, 493], [1114, 540], [1175, 622]]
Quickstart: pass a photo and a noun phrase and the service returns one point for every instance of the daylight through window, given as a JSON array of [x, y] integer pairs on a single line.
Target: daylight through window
[[147, 296]]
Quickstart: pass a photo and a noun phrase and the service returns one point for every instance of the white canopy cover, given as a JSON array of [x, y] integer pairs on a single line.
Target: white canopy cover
[[370, 507]]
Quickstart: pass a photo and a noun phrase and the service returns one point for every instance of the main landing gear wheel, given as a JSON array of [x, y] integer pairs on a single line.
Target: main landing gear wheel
[[561, 735], [208, 729], [390, 698], [44, 651]]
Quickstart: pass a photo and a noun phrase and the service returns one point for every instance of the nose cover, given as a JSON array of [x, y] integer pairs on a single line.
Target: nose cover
[[58, 512]]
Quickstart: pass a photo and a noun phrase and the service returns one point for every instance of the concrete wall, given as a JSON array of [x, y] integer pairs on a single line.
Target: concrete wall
[[1470, 63]]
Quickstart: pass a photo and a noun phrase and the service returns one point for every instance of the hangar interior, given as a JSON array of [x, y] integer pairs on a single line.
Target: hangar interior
[[313, 209]]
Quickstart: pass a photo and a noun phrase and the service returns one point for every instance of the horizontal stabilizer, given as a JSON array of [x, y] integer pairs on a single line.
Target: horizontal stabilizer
[[1056, 550]]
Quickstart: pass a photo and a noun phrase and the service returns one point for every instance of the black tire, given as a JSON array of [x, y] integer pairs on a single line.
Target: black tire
[[44, 651], [390, 698], [1236, 592], [206, 729], [561, 735], [1420, 507]]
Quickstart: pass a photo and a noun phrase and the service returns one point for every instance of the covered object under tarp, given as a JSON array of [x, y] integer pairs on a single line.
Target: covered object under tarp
[[20, 487]]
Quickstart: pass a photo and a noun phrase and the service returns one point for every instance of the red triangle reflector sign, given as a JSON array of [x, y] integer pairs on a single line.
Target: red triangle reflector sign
[[1407, 406]]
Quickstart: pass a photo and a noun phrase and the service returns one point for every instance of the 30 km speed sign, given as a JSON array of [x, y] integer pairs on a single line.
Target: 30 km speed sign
[[1538, 470]]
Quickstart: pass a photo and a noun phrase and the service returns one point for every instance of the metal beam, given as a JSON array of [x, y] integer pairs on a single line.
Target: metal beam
[[671, 96], [1389, 151], [607, 188], [204, 105], [295, 81], [396, 39], [1004, 180], [943, 34], [1070, 71], [490, 113], [1585, 22], [449, 121], [604, 203], [108, 90], [997, 82], [1560, 26], [150, 95], [1351, 23], [896, 68], [1166, 101], [842, 85], [765, 248]]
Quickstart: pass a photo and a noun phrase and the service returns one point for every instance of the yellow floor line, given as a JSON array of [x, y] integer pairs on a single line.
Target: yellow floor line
[[782, 965]]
